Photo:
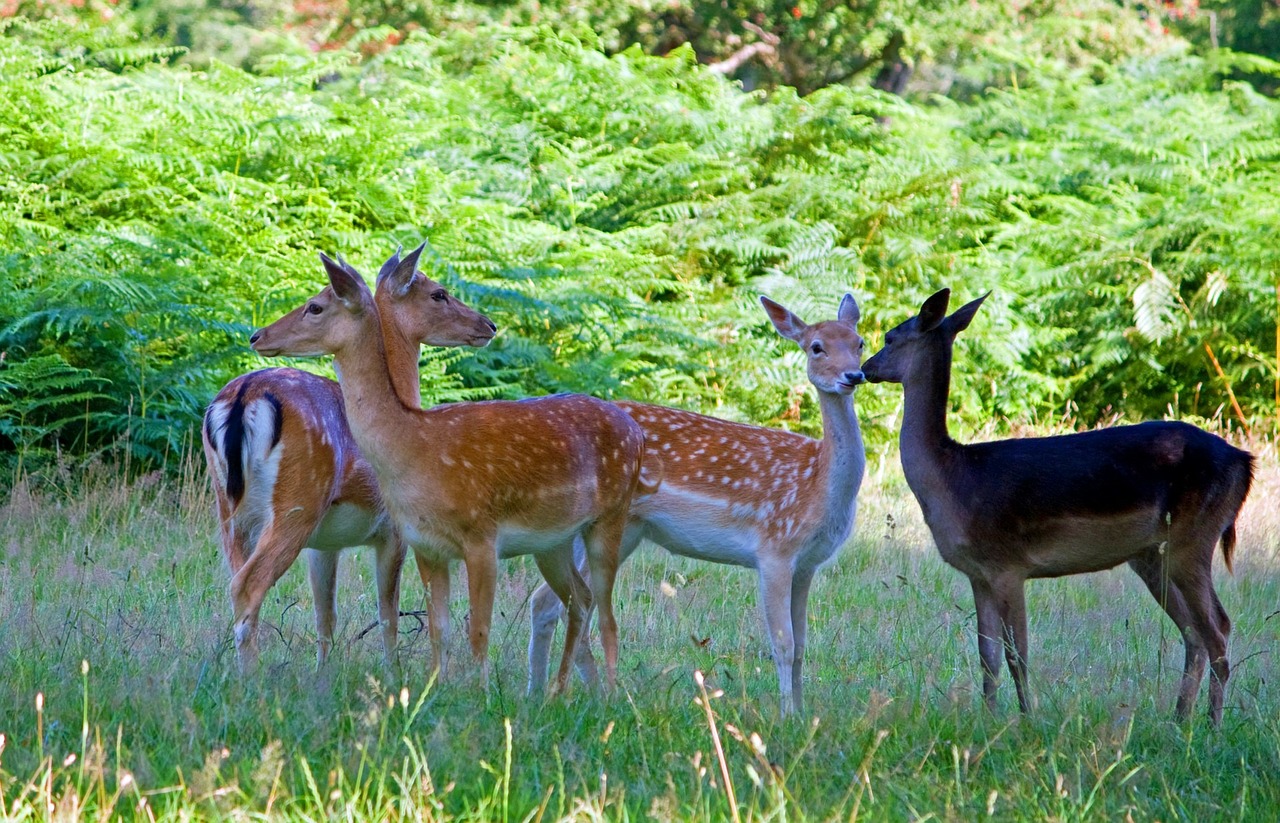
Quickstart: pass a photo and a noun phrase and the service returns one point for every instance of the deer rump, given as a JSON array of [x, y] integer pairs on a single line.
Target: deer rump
[[1089, 501]]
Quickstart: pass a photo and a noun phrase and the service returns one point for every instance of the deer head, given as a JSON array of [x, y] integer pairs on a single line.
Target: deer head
[[423, 310], [930, 330], [325, 324], [833, 347]]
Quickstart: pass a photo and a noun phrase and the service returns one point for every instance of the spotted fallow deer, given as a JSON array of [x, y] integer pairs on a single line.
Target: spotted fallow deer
[[287, 474], [1158, 496], [771, 500], [477, 481]]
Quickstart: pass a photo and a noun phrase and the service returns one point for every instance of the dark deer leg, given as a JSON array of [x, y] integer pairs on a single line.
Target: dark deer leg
[[1202, 605], [989, 640], [1011, 596], [1150, 568]]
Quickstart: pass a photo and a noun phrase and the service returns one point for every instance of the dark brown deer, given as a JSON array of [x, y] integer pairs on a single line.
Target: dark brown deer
[[1158, 496]]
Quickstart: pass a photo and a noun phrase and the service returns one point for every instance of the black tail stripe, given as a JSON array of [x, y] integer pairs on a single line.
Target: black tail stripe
[[233, 445]]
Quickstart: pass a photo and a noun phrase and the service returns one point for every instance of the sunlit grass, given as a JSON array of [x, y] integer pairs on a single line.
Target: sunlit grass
[[128, 580]]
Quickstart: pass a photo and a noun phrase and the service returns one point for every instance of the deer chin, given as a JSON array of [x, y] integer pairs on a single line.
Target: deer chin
[[267, 350]]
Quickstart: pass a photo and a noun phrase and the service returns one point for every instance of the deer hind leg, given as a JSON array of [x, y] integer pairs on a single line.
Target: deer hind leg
[[435, 582], [279, 545], [558, 569], [799, 630], [1206, 618], [776, 585], [1152, 569], [603, 542], [322, 571], [389, 560]]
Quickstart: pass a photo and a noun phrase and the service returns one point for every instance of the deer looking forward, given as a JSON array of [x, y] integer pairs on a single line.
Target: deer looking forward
[[1158, 496], [771, 500], [478, 480]]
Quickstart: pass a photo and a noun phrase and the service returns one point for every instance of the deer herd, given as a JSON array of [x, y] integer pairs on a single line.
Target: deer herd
[[300, 462]]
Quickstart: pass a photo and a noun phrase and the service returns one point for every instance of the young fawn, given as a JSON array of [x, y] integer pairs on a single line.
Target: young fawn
[[1158, 496], [771, 500], [477, 481], [287, 474]]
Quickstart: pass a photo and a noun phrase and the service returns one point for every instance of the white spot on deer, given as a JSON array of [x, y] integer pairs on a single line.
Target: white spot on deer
[[666, 447], [447, 460]]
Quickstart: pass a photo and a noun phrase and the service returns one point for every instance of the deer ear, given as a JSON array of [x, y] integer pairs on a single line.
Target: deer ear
[[787, 324], [401, 278], [346, 284], [389, 266], [934, 310], [960, 319], [849, 312]]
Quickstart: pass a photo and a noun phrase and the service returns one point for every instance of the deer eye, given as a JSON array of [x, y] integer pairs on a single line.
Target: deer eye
[[314, 308], [816, 348], [439, 295]]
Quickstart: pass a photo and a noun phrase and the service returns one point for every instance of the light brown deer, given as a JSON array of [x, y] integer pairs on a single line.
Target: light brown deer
[[477, 481], [287, 474], [1158, 496], [771, 500]]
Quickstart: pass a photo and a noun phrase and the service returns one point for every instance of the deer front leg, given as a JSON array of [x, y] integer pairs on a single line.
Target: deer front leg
[[989, 638], [435, 582], [482, 575], [544, 612], [389, 561], [1011, 596], [322, 571], [799, 630], [776, 579]]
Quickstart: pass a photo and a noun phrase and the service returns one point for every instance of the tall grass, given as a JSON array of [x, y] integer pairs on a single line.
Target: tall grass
[[120, 694]]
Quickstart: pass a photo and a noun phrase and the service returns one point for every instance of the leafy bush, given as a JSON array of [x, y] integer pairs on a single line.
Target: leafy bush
[[617, 215]]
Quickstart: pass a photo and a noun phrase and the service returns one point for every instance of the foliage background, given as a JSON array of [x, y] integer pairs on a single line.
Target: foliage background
[[616, 212]]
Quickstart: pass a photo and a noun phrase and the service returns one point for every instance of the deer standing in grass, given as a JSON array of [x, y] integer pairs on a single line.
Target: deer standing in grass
[[1158, 496], [771, 500], [287, 474], [477, 481]]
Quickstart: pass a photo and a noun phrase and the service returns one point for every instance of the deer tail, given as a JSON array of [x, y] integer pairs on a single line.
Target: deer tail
[[651, 470], [1229, 545]]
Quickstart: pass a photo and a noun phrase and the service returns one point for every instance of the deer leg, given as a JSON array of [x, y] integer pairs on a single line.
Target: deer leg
[[1203, 605], [1012, 601], [799, 629], [322, 571], [989, 638], [603, 540], [563, 578], [389, 560], [232, 540], [435, 582], [545, 608], [776, 581], [482, 576], [279, 545], [1151, 568]]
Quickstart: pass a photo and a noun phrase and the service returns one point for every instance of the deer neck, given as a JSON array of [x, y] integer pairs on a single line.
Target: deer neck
[[369, 396], [924, 438], [842, 455], [402, 363]]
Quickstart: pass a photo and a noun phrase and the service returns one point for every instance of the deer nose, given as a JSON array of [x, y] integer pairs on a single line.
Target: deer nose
[[493, 327], [255, 337], [855, 378]]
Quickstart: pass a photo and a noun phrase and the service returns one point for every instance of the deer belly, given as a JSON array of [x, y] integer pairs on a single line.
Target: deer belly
[[1074, 545], [514, 541], [700, 527], [345, 524]]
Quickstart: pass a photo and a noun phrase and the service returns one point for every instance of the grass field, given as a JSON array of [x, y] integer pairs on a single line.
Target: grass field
[[129, 580]]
